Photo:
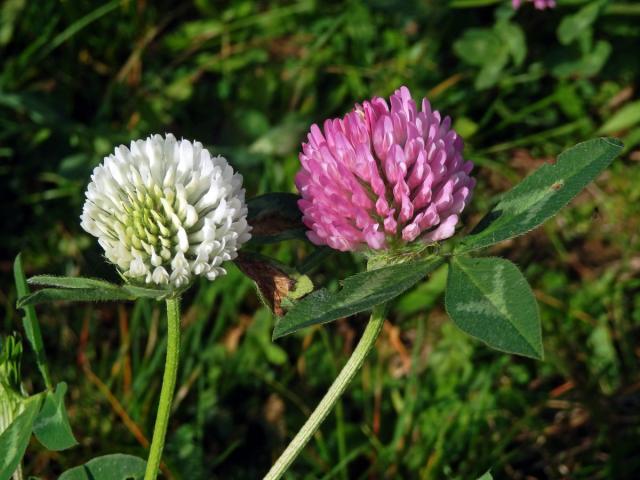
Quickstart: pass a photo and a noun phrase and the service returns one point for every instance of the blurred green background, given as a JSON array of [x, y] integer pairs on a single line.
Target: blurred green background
[[247, 79]]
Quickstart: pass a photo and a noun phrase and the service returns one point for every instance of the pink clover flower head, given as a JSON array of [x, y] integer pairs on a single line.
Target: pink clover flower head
[[383, 176], [539, 4]]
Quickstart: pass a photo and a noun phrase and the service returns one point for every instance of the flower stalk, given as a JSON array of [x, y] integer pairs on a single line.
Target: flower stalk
[[346, 375], [168, 387]]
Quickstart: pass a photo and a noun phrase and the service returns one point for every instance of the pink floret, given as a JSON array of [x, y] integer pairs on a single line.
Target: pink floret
[[383, 175]]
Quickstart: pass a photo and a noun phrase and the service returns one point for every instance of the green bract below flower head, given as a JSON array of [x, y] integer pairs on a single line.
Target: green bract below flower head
[[166, 210]]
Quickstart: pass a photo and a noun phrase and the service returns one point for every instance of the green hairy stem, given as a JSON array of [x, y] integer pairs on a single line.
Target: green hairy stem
[[168, 387], [327, 403]]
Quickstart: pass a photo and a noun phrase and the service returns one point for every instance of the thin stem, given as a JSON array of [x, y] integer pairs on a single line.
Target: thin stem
[[338, 387], [168, 386]]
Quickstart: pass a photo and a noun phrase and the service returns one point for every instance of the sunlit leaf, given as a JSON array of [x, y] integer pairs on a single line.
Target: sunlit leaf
[[360, 292], [489, 299], [75, 295], [14, 440], [52, 427], [542, 194], [70, 282]]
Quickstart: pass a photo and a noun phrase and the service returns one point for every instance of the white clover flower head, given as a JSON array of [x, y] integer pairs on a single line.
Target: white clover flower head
[[165, 211]]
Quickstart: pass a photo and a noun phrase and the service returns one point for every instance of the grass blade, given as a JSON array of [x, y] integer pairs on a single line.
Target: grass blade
[[30, 322]]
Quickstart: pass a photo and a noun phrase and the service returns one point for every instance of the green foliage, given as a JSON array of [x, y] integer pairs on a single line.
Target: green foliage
[[359, 293], [51, 426], [489, 299], [30, 321], [71, 282], [11, 361], [46, 295], [108, 467], [578, 28], [79, 289], [573, 26], [542, 194], [247, 79], [425, 295], [491, 50], [14, 440]]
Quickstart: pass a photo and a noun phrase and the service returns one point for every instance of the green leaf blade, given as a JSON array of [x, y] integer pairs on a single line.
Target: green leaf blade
[[542, 194], [143, 292], [15, 439], [70, 282], [117, 466], [75, 295], [30, 321], [489, 299], [360, 292], [51, 426]]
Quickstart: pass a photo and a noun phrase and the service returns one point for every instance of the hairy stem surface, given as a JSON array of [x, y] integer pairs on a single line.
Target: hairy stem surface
[[327, 403], [168, 387]]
